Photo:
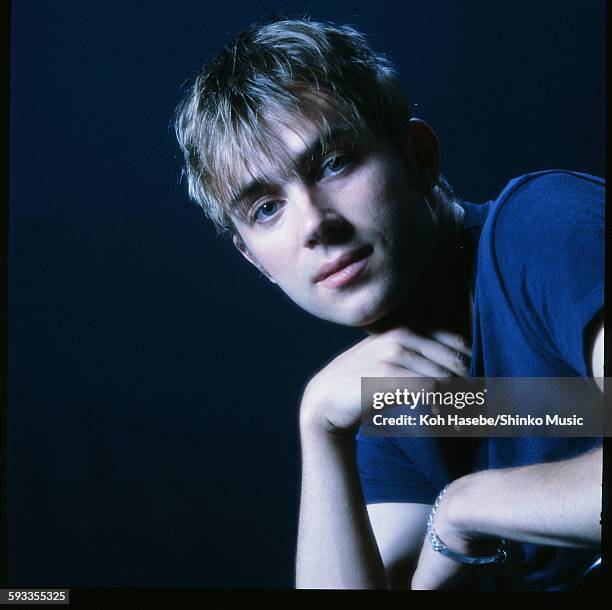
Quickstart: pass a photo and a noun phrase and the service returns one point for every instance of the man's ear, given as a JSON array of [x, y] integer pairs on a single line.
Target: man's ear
[[242, 248], [425, 153]]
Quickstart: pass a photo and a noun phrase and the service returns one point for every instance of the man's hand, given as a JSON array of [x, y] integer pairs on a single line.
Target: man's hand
[[336, 544], [332, 400]]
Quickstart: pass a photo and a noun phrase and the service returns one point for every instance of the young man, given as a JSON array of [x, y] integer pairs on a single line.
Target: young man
[[299, 142]]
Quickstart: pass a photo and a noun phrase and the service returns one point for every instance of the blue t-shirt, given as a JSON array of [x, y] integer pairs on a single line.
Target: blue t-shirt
[[537, 255]]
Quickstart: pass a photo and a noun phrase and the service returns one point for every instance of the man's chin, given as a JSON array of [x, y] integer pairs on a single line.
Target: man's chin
[[387, 315], [364, 317], [360, 308]]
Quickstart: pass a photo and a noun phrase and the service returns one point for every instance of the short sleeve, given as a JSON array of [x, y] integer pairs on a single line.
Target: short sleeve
[[549, 247], [388, 475]]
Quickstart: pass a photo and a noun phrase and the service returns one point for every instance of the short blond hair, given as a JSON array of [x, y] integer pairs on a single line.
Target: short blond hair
[[294, 67]]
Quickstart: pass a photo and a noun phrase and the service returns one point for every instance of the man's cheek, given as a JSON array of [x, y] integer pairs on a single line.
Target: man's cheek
[[302, 295]]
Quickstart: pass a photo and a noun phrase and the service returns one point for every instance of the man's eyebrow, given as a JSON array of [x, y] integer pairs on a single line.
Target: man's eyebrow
[[251, 188], [239, 202], [323, 144], [302, 163]]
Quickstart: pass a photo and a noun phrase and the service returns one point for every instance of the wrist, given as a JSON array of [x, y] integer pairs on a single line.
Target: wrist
[[458, 518], [320, 440], [451, 530], [311, 422], [450, 522], [323, 451], [315, 411], [318, 432]]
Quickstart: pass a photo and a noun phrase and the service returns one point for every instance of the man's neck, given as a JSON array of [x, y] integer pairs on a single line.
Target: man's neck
[[442, 297]]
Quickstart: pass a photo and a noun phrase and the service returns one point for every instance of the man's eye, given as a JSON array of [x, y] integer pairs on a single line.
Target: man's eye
[[334, 166], [266, 211]]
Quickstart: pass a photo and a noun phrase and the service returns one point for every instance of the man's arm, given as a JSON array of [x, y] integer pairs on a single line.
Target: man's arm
[[339, 545], [594, 345], [399, 528], [336, 546], [556, 503]]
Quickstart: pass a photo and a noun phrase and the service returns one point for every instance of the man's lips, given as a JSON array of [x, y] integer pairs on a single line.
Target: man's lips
[[342, 263]]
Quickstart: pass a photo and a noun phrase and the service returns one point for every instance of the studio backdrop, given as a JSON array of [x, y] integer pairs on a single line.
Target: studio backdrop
[[154, 376]]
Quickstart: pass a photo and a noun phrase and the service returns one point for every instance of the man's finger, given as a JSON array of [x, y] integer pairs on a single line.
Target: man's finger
[[452, 340], [416, 361], [442, 354], [451, 353]]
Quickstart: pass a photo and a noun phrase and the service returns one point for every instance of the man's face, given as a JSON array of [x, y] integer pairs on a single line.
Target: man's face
[[346, 237]]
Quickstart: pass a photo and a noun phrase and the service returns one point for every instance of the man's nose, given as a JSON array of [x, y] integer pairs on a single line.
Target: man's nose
[[320, 222]]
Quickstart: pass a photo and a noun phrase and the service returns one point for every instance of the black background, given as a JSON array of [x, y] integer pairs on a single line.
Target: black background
[[154, 377]]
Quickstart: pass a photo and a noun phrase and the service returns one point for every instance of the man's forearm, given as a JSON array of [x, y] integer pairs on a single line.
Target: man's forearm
[[557, 503], [336, 546]]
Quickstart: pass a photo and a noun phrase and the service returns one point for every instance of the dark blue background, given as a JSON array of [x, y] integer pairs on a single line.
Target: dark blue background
[[154, 377]]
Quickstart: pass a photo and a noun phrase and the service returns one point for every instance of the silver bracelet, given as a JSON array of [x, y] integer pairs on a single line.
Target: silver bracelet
[[500, 555]]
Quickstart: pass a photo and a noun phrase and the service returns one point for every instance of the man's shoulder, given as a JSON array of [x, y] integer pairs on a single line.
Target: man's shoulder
[[540, 200], [543, 212], [542, 252], [549, 179]]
